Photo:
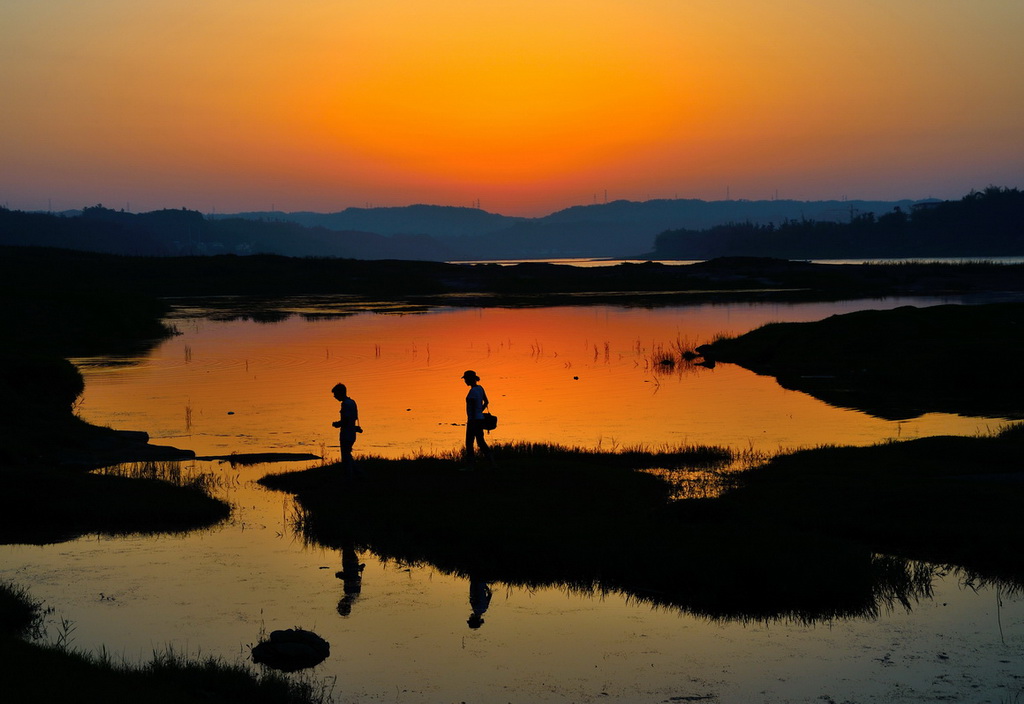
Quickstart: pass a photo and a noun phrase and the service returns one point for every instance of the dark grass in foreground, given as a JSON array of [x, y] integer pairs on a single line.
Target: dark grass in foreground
[[590, 521], [49, 673]]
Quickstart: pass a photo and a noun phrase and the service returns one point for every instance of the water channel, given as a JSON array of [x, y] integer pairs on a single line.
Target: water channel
[[581, 375]]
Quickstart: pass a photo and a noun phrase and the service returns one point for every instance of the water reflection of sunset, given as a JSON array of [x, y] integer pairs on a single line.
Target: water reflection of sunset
[[576, 376]]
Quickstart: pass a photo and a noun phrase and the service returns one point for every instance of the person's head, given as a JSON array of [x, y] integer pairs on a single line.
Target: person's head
[[475, 620], [469, 376], [339, 391]]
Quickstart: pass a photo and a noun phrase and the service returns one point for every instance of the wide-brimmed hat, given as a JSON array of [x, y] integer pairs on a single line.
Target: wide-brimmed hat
[[470, 374]]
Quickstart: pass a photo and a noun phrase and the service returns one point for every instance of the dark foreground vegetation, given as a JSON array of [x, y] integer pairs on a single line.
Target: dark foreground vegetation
[[56, 673], [898, 363]]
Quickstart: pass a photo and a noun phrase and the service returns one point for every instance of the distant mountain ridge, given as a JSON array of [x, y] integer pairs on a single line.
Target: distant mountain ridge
[[433, 220], [617, 230], [620, 228]]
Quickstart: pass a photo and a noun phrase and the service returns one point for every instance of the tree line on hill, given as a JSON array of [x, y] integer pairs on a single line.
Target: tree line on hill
[[988, 223]]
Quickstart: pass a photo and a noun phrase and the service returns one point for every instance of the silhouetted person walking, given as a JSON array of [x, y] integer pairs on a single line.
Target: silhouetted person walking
[[348, 426], [476, 404]]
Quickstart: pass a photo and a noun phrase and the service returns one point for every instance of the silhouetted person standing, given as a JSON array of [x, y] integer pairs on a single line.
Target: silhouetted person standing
[[348, 426], [476, 404]]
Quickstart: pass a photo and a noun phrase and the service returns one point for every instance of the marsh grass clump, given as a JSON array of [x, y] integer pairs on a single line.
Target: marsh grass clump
[[20, 615], [171, 472], [627, 458], [663, 360]]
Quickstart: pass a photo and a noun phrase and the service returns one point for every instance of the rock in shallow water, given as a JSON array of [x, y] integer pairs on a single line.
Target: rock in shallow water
[[292, 649]]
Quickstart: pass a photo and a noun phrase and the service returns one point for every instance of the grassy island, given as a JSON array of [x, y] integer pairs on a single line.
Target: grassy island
[[822, 533], [898, 363]]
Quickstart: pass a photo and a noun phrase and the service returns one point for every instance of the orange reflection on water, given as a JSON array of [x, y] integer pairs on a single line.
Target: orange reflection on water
[[572, 375]]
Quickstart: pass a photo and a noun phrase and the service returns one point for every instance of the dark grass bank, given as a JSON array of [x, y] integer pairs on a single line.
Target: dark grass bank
[[896, 364], [48, 673], [46, 452], [590, 521], [42, 504], [952, 501]]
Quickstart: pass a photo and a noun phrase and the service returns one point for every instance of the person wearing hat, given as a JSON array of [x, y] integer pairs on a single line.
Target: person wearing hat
[[476, 404]]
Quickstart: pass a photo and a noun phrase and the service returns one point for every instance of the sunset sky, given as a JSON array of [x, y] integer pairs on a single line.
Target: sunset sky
[[527, 106]]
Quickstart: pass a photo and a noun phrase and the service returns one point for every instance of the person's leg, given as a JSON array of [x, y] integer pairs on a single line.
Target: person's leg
[[485, 449], [468, 454], [481, 443], [347, 461]]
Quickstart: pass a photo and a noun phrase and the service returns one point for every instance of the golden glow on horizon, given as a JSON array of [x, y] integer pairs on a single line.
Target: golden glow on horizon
[[530, 105]]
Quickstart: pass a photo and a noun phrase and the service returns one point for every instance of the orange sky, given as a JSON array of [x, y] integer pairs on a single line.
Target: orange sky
[[528, 106]]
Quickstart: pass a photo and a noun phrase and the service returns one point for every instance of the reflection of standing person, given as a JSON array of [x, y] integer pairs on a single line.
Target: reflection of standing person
[[348, 426], [479, 600], [351, 576], [476, 404]]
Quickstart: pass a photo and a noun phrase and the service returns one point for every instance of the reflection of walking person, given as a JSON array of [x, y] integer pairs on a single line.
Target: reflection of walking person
[[476, 404], [348, 426], [351, 576], [479, 600]]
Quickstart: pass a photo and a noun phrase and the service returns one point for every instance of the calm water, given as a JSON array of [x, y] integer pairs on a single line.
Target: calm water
[[580, 376]]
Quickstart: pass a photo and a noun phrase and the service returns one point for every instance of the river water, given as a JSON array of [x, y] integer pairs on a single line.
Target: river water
[[586, 376]]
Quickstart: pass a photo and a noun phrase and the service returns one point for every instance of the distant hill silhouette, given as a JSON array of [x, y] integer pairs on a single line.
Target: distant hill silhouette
[[981, 224], [187, 232], [435, 220], [617, 229]]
